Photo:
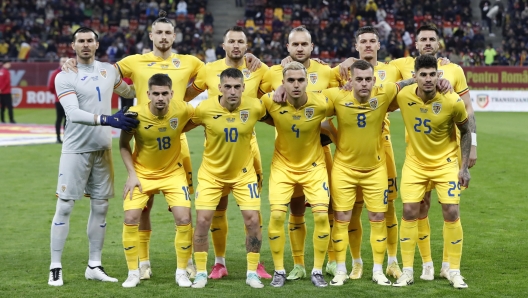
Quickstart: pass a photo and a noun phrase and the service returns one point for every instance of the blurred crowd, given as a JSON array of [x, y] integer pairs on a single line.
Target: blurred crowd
[[40, 30]]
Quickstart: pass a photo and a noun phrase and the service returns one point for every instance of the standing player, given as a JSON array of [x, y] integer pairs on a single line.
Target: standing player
[[427, 44], [227, 165], [359, 163], [367, 45], [156, 166], [60, 115], [86, 159], [298, 166], [235, 46], [431, 157], [320, 77]]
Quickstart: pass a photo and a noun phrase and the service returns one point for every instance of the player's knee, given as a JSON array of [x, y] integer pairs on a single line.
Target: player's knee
[[321, 222], [451, 212], [100, 207], [132, 218], [376, 216], [411, 211], [278, 214], [64, 207]]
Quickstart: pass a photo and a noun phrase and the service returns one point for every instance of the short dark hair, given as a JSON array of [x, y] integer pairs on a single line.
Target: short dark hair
[[361, 64], [425, 61], [301, 28], [84, 30], [162, 18], [367, 29], [160, 79], [231, 73], [235, 29], [427, 27]]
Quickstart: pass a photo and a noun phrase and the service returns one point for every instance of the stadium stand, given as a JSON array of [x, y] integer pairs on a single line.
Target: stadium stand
[[39, 30]]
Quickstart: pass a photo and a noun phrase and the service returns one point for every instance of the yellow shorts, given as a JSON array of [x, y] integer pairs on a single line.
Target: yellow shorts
[[210, 190], [174, 188], [445, 181], [186, 160], [392, 175], [313, 184], [346, 182]]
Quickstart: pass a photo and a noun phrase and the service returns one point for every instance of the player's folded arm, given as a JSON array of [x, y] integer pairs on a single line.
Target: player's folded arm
[[70, 103], [267, 119]]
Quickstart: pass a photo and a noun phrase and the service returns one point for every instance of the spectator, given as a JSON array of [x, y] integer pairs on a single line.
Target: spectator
[[6, 101], [4, 48], [208, 18], [111, 51], [210, 53], [181, 9], [489, 55]]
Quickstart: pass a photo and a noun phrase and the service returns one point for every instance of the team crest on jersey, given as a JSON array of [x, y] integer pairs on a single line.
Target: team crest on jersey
[[309, 112], [437, 107], [440, 73], [482, 100], [313, 77], [373, 102], [63, 187], [102, 71], [244, 115], [381, 74], [173, 123], [176, 62], [246, 73]]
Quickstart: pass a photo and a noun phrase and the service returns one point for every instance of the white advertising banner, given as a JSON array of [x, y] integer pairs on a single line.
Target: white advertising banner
[[499, 100]]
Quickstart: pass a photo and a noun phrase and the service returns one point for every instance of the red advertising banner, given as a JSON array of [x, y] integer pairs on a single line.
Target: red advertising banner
[[40, 97], [497, 77], [31, 74]]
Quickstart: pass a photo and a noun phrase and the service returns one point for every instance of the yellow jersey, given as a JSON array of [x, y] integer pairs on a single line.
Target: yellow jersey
[[451, 72], [431, 127], [359, 143], [319, 76], [208, 78], [180, 68], [297, 145], [386, 73], [157, 144], [227, 152]]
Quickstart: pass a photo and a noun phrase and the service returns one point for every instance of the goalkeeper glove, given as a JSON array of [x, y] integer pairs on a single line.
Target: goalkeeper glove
[[123, 120]]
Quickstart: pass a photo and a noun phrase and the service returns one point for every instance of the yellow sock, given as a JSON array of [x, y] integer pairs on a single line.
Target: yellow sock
[[378, 240], [131, 245], [424, 239], [252, 260], [355, 231], [392, 230], [321, 236], [219, 228], [340, 240], [408, 236], [201, 261], [144, 245], [183, 245], [277, 236], [331, 253], [297, 233], [454, 238]]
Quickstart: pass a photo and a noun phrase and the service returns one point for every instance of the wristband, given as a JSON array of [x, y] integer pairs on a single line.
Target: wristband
[[473, 139]]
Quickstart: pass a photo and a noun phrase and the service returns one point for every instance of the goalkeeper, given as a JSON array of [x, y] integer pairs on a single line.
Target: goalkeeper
[[86, 161]]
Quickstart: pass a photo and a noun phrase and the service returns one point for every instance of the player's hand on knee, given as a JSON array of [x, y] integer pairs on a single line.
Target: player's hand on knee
[[70, 64], [121, 120], [131, 183]]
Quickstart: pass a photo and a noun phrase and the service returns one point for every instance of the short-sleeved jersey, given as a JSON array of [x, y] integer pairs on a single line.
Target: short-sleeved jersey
[[93, 86], [386, 73], [157, 144], [451, 72], [208, 78], [431, 127], [359, 135], [227, 152], [297, 145], [180, 68], [319, 76]]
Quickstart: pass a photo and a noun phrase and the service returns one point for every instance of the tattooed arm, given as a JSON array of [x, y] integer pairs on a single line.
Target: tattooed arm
[[404, 83], [465, 147], [472, 128]]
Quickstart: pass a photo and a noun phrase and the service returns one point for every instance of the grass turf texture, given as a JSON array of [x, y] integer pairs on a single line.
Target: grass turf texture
[[493, 218]]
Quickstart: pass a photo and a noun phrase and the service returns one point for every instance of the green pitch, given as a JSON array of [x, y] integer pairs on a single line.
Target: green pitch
[[493, 214]]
